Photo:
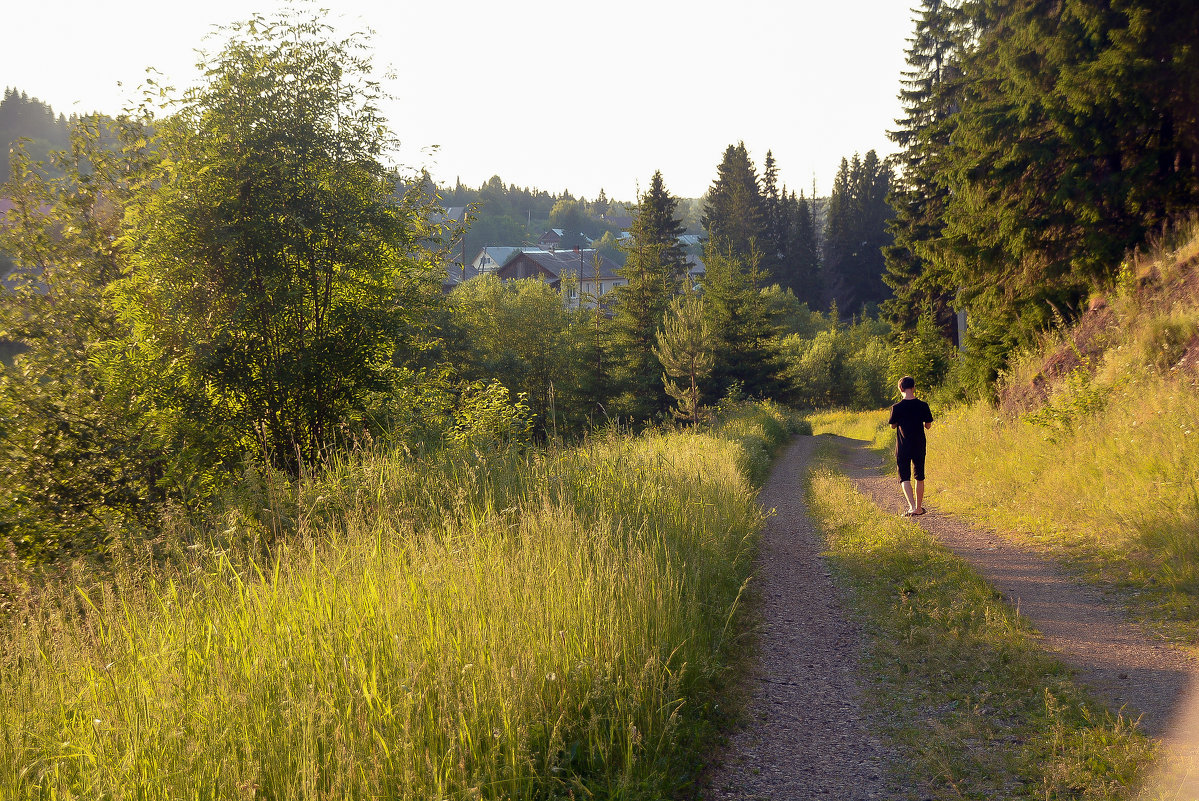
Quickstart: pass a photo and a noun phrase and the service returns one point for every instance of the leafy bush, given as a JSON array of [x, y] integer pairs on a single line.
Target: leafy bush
[[843, 366], [488, 420]]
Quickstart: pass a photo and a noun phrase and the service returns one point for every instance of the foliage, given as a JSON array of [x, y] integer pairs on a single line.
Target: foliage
[[923, 354], [31, 123], [521, 334], [931, 95], [76, 461], [1044, 140], [788, 315], [684, 347], [733, 209], [855, 233], [740, 324], [488, 420], [842, 366], [1077, 398], [295, 280]]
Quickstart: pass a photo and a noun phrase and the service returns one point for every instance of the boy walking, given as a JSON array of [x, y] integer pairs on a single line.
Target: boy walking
[[910, 417]]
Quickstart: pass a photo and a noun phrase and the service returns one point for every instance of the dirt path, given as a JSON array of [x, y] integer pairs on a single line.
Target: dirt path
[[805, 734], [1120, 662]]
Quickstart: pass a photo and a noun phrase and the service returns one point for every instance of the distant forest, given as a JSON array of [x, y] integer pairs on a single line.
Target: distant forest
[[23, 117], [826, 252]]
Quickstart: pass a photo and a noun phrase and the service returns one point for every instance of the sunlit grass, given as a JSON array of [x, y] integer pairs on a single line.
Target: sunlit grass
[[1120, 493], [508, 627], [976, 708], [868, 427]]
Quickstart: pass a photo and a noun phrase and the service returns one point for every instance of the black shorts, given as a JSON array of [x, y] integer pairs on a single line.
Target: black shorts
[[910, 462]]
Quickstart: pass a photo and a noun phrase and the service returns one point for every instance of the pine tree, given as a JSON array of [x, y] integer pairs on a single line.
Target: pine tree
[[684, 348]]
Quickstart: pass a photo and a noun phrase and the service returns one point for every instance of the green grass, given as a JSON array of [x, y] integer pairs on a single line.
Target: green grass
[[975, 707], [550, 625], [865, 426]]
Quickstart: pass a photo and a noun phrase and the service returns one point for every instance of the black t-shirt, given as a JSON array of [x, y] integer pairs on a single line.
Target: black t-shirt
[[909, 417]]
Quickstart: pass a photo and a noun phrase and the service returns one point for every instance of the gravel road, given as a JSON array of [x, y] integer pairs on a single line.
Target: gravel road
[[804, 733]]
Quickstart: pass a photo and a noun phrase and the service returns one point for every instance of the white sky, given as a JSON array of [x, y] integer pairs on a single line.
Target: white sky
[[554, 95]]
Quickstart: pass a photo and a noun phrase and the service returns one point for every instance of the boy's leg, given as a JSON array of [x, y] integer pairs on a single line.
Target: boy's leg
[[907, 493], [918, 474]]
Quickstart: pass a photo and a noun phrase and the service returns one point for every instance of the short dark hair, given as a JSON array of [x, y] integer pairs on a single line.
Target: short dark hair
[[907, 382]]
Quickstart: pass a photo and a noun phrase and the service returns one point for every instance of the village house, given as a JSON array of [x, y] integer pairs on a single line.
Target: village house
[[491, 259], [551, 239], [584, 280]]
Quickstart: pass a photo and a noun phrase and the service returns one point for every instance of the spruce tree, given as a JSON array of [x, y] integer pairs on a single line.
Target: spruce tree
[[775, 259], [733, 213], [740, 323], [1077, 135], [802, 247], [855, 233], [655, 268], [930, 93]]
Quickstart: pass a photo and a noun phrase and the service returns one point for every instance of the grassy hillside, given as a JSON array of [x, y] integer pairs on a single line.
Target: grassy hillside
[[1092, 449], [518, 626]]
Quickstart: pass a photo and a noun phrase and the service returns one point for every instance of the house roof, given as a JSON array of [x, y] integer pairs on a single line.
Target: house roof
[[499, 255], [555, 262], [456, 273]]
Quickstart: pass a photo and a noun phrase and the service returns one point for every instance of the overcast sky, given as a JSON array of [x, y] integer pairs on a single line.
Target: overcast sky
[[554, 95]]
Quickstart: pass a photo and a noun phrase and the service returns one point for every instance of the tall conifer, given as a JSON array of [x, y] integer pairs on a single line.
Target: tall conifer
[[733, 213], [655, 268]]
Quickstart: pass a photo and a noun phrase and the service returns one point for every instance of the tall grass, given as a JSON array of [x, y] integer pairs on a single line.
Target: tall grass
[[533, 626]]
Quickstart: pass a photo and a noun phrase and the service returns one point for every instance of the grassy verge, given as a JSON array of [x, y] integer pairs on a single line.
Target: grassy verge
[[1118, 494], [976, 708], [1115, 495], [549, 625]]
